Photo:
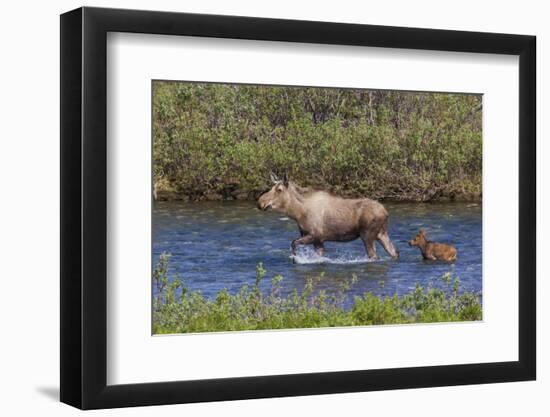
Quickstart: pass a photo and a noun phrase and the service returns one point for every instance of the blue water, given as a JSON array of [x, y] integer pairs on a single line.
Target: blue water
[[216, 245]]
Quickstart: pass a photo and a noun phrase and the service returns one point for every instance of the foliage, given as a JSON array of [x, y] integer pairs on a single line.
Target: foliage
[[221, 141], [177, 310]]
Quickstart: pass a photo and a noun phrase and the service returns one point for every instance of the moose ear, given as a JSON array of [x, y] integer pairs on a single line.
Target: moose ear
[[422, 232], [274, 177], [285, 180]]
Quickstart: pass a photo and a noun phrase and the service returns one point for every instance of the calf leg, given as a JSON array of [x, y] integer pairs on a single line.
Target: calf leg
[[429, 256], [386, 243], [304, 240]]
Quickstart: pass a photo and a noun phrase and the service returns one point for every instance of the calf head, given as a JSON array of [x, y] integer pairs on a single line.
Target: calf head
[[419, 239]]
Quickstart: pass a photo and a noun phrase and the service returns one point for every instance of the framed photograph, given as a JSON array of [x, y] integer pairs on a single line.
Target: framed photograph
[[257, 208]]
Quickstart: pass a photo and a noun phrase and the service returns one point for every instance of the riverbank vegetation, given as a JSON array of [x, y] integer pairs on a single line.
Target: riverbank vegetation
[[221, 141], [178, 310]]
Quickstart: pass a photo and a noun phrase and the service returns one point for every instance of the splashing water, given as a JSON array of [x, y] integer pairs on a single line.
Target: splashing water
[[307, 255]]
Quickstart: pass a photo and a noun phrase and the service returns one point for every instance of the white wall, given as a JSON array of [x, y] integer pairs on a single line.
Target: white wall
[[29, 237]]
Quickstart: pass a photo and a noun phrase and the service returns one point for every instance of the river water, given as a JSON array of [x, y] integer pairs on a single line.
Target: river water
[[217, 245]]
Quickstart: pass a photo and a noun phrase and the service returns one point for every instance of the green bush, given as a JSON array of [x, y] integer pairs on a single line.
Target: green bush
[[223, 140], [177, 310]]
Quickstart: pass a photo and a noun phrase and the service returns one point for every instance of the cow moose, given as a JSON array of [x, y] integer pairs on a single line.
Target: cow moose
[[322, 217]]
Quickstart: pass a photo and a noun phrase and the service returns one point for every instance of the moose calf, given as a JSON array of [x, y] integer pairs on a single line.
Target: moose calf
[[431, 250]]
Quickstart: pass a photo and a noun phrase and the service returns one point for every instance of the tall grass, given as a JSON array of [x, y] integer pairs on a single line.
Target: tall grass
[[178, 310]]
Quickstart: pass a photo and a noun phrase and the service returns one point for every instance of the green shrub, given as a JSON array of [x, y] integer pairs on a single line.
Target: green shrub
[[225, 139]]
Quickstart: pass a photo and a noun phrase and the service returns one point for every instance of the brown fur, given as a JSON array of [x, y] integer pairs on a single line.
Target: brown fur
[[433, 251], [324, 217]]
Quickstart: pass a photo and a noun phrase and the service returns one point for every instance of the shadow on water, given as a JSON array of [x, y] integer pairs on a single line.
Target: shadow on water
[[216, 245]]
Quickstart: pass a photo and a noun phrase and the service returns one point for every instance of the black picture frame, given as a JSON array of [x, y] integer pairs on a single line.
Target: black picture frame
[[84, 207]]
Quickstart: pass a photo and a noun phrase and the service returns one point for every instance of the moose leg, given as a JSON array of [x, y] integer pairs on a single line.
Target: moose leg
[[386, 243], [319, 248], [369, 239], [304, 240]]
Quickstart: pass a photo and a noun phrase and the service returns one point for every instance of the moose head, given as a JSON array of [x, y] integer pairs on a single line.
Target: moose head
[[278, 197]]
